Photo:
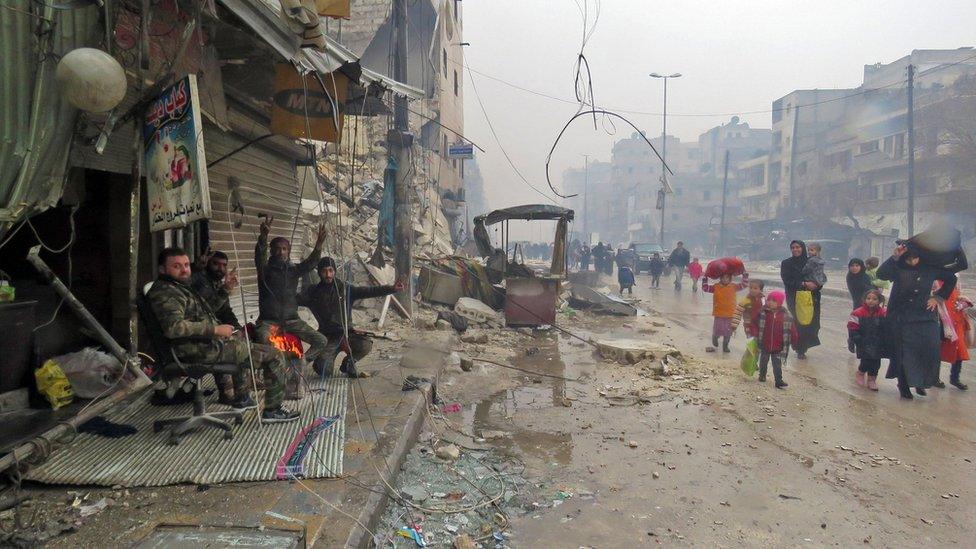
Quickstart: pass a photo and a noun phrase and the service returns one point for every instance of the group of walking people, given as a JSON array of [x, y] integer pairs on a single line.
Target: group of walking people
[[923, 324], [925, 321]]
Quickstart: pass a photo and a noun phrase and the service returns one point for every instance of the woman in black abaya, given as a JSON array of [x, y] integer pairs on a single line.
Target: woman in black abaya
[[792, 271]]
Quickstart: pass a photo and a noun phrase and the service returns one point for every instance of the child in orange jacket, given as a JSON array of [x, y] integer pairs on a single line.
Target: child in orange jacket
[[723, 306]]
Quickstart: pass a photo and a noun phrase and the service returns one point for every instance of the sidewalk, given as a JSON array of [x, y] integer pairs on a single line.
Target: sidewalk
[[382, 423]]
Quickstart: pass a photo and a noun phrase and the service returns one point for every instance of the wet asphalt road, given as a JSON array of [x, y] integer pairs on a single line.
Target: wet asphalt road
[[830, 365]]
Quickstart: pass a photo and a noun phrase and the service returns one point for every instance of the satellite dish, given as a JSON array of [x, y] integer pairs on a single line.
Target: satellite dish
[[91, 80]]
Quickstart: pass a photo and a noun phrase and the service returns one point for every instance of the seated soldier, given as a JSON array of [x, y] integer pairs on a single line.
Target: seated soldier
[[212, 281], [325, 300], [196, 336], [278, 281]]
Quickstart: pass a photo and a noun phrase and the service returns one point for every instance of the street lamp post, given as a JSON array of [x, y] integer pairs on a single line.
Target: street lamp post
[[664, 144]]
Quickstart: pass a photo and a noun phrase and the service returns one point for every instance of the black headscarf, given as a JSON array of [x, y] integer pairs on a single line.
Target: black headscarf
[[791, 269], [858, 284]]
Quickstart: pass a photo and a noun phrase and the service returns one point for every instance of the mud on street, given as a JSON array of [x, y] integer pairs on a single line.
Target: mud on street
[[698, 455]]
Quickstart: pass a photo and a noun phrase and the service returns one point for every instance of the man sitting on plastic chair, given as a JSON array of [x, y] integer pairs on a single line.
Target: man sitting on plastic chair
[[196, 337]]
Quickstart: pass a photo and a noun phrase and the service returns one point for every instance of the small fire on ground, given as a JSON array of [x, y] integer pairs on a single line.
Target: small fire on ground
[[286, 343]]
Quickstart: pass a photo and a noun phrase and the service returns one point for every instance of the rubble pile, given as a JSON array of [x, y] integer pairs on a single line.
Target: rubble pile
[[452, 496]]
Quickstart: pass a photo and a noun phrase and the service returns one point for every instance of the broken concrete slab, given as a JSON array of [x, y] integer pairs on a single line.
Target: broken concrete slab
[[602, 301], [632, 351], [477, 311]]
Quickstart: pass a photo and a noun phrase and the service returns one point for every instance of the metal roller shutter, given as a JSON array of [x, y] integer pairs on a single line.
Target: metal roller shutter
[[269, 184]]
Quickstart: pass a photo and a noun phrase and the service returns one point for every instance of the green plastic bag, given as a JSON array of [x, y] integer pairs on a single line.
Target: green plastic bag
[[750, 359]]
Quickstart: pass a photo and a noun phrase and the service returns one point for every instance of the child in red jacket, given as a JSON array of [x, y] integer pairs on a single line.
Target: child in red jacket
[[695, 270], [776, 333], [865, 337]]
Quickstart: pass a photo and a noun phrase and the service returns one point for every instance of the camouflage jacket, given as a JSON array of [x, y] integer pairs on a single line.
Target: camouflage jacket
[[216, 297], [185, 318]]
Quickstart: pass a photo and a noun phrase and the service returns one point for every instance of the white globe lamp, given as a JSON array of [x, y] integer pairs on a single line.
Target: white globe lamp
[[91, 80]]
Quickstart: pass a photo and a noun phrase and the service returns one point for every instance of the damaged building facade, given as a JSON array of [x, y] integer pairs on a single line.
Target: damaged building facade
[[78, 183], [842, 154]]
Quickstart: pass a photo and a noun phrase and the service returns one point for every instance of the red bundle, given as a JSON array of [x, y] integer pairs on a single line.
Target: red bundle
[[724, 266]]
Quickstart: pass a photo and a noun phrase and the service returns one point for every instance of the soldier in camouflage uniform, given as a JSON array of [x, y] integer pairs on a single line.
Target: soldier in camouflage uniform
[[193, 330], [215, 284]]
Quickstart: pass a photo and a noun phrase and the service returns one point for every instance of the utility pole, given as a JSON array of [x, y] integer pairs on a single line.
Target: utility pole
[[793, 147], [725, 189], [401, 140], [911, 150], [586, 201]]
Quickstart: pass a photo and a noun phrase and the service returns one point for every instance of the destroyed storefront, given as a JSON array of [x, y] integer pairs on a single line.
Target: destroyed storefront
[[69, 186]]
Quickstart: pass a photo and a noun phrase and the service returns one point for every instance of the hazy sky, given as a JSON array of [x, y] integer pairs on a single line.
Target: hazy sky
[[735, 56]]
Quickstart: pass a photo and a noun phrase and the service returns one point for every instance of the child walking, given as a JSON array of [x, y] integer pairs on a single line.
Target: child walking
[[656, 268], [625, 277], [776, 333], [749, 308], [695, 271], [866, 338], [955, 352], [723, 307]]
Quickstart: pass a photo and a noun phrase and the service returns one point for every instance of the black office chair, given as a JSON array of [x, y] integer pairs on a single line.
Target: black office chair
[[170, 367]]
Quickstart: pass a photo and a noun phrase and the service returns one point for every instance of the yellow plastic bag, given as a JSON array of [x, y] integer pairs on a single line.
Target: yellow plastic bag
[[53, 384], [804, 307]]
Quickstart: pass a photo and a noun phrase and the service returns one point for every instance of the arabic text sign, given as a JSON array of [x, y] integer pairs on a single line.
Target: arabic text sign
[[175, 164], [461, 150]]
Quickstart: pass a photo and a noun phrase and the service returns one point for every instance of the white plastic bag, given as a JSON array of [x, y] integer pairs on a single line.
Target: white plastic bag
[[91, 372]]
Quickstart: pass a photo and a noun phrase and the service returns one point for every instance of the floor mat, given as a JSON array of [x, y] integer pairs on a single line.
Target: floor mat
[[203, 456]]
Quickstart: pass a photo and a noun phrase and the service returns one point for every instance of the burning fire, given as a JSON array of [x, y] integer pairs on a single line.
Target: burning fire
[[285, 342]]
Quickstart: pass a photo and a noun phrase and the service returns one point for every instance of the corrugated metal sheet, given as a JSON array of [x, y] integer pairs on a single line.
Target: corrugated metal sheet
[[269, 184], [36, 123], [202, 457]]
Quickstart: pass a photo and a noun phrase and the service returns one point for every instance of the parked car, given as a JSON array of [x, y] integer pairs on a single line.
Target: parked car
[[644, 252]]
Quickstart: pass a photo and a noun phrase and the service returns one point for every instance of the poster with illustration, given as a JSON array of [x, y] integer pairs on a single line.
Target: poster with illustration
[[175, 164]]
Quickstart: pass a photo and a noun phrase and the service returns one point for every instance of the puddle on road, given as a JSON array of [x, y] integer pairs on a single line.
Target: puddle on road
[[554, 354]]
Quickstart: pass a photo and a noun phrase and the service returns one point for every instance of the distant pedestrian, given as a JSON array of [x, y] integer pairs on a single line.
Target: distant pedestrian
[[776, 332], [695, 271], [913, 335], [656, 268], [723, 307], [858, 281], [865, 337], [585, 255], [955, 352], [608, 259], [749, 308], [625, 277], [679, 260]]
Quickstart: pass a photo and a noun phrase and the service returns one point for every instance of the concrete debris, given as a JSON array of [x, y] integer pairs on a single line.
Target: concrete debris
[[493, 435], [584, 297], [448, 452], [478, 312], [632, 351], [475, 337], [464, 541]]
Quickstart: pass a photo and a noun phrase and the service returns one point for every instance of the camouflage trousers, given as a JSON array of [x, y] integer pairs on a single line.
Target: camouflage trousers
[[267, 360]]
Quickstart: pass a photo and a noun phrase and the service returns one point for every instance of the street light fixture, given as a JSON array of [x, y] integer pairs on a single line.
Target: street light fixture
[[664, 144]]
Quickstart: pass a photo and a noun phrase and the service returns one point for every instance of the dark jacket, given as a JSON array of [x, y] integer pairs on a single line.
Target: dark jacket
[[278, 283], [324, 300], [656, 266], [216, 296], [912, 287], [791, 270], [680, 257], [865, 329], [858, 284]]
